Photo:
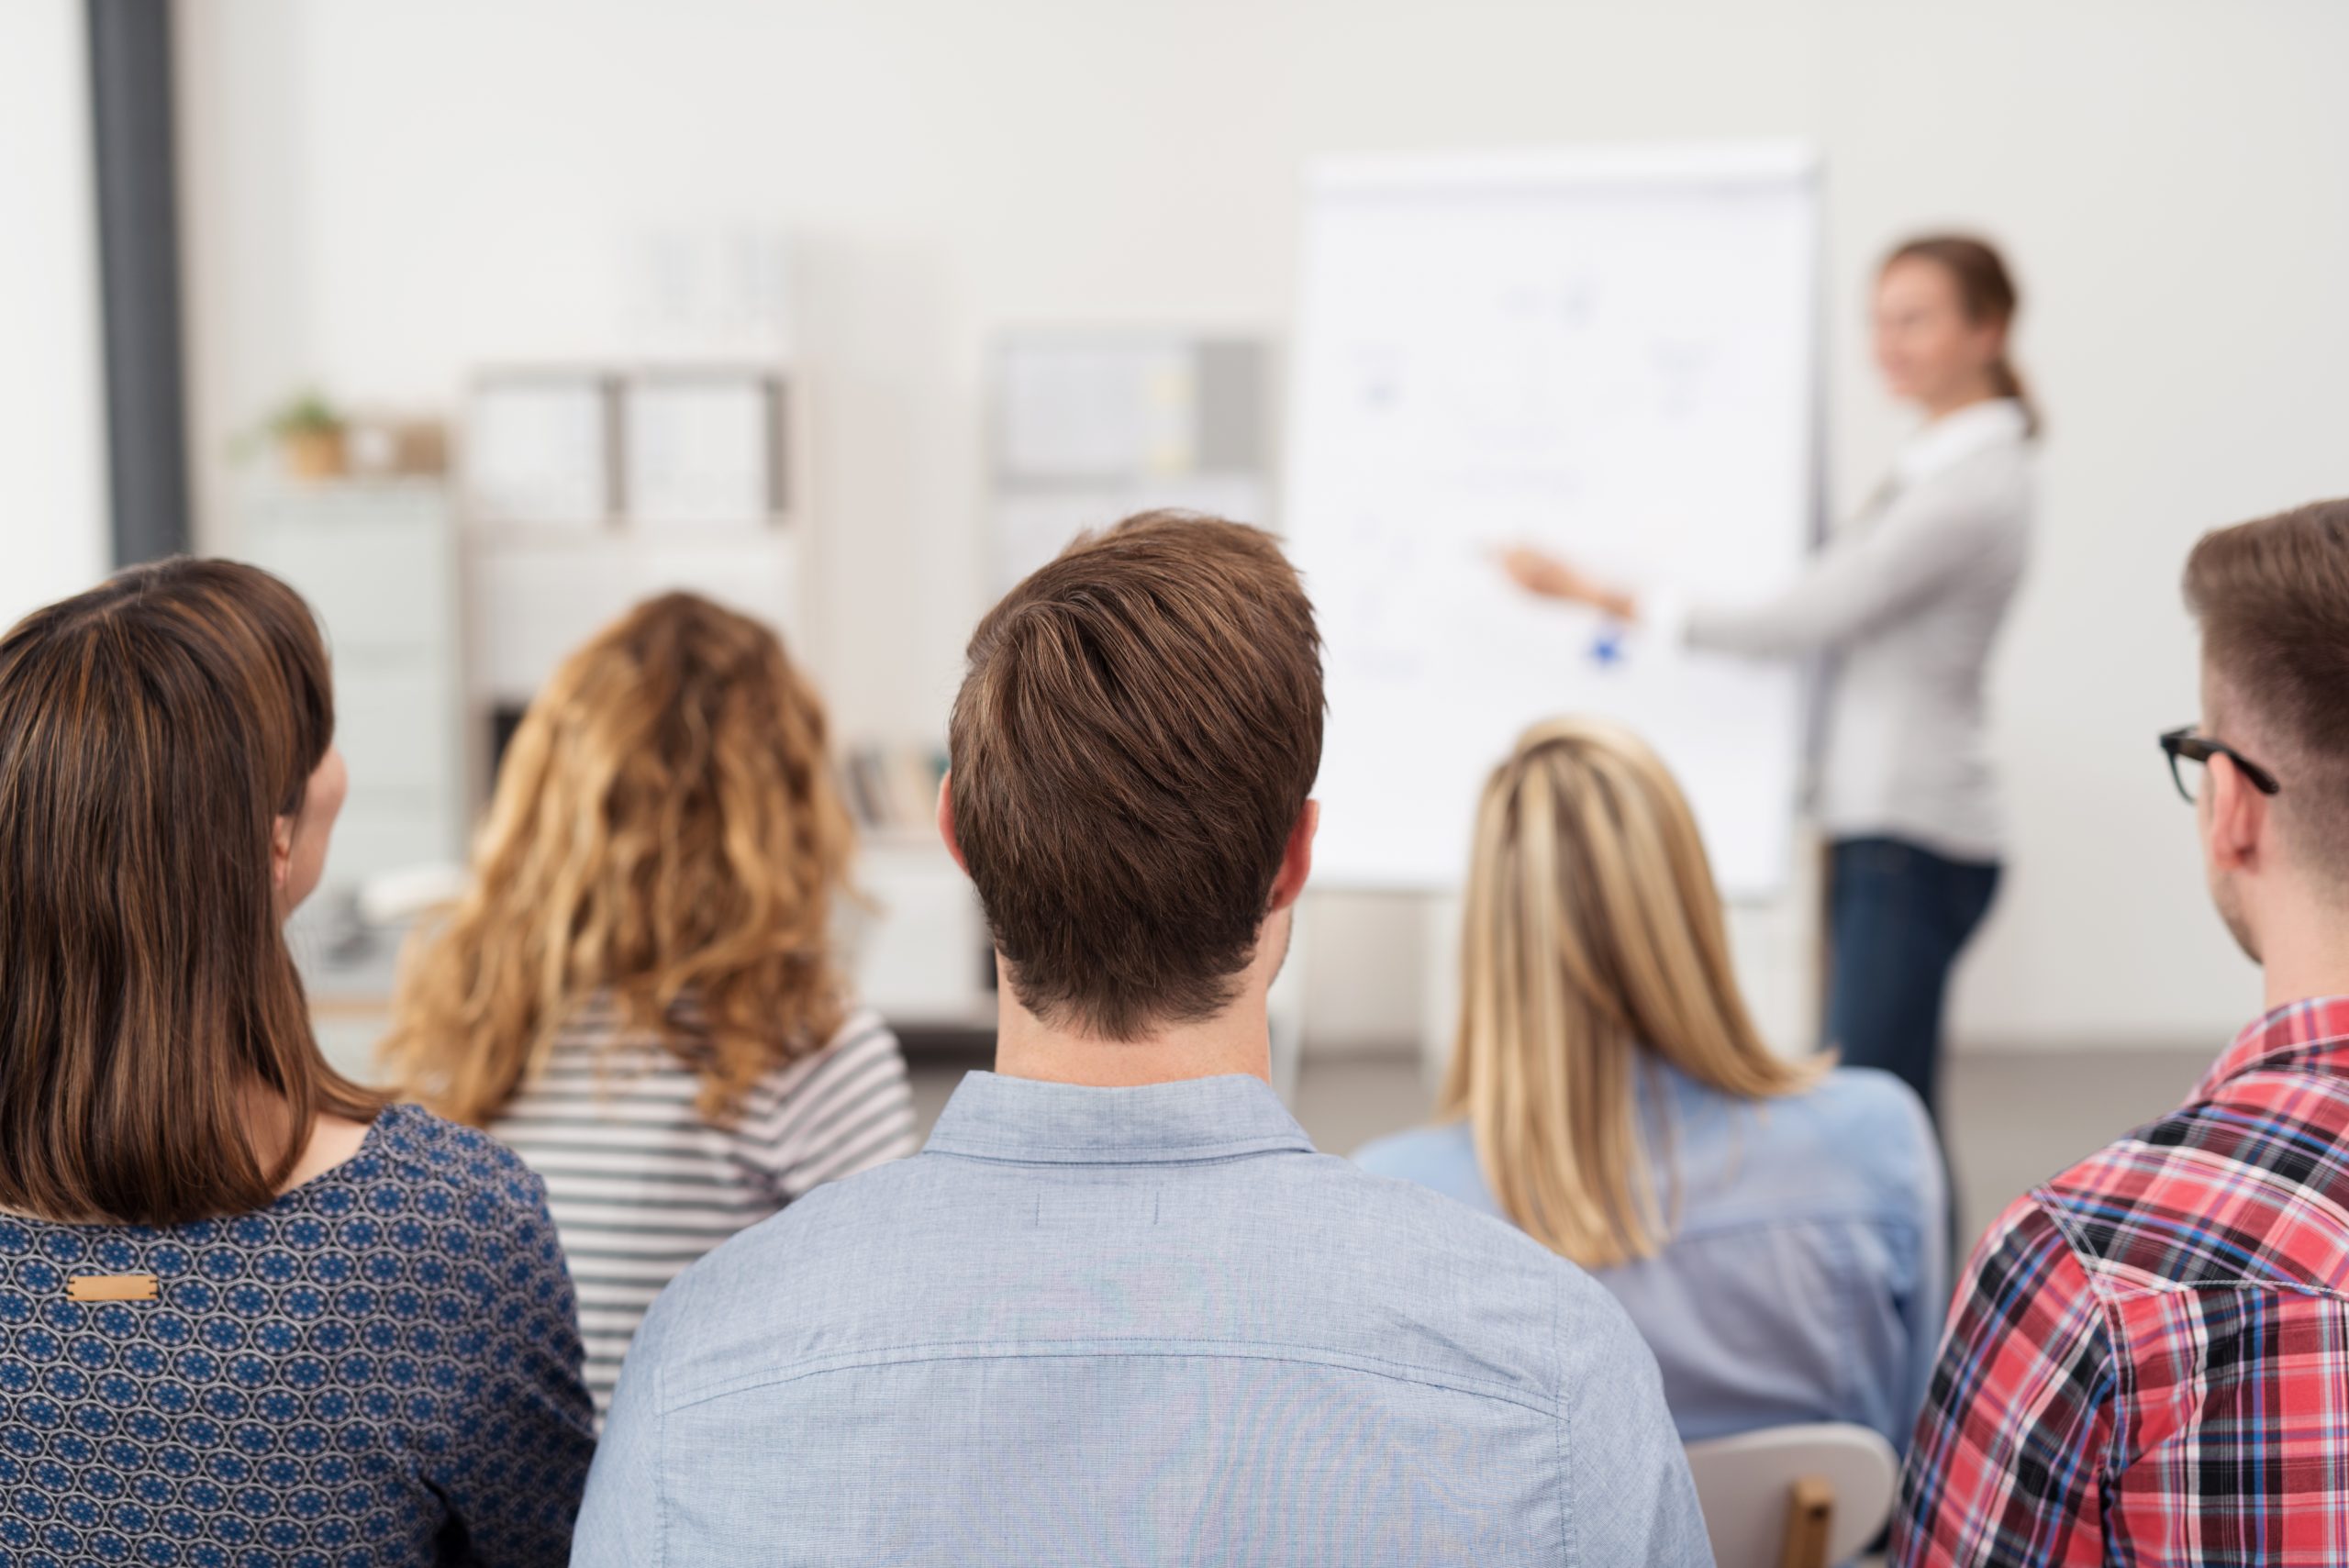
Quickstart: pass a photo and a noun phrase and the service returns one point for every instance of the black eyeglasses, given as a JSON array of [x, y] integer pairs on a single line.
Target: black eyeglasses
[[2184, 742]]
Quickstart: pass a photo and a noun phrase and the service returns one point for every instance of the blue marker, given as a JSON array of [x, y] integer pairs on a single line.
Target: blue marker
[[1606, 647]]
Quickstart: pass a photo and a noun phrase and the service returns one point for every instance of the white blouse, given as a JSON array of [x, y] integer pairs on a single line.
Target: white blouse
[[1909, 600]]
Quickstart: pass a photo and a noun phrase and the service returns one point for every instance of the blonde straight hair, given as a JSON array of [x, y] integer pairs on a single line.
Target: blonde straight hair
[[1594, 937]]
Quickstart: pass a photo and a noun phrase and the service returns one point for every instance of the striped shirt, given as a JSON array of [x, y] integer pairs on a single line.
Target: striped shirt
[[2149, 1360], [641, 1184]]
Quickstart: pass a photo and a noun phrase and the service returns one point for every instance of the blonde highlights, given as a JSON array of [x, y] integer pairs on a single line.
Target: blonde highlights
[[1593, 934], [667, 831]]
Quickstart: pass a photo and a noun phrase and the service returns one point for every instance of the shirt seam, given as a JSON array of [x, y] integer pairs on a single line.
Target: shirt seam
[[1107, 1348], [660, 1467], [1844, 1309], [2106, 1290], [1567, 1544], [2120, 1364], [1078, 1154], [2109, 1291]]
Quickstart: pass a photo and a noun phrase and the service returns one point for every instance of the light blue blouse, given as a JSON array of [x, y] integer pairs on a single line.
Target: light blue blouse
[[1805, 1279]]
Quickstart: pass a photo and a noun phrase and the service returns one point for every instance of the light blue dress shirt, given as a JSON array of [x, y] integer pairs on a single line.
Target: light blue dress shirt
[[1805, 1279], [1143, 1326]]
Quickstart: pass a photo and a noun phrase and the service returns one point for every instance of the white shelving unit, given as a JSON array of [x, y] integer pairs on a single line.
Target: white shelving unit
[[920, 952], [377, 559], [534, 595], [535, 590]]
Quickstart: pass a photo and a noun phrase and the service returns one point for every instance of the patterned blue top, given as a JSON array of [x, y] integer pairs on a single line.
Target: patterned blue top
[[1805, 1276], [381, 1367]]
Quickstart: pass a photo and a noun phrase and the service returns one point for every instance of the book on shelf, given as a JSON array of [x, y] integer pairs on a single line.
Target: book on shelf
[[893, 789]]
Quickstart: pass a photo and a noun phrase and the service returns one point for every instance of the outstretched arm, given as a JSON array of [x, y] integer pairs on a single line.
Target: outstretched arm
[[1855, 583], [1851, 584]]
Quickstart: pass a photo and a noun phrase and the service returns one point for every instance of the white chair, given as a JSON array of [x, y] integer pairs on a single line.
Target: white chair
[[1794, 1496]]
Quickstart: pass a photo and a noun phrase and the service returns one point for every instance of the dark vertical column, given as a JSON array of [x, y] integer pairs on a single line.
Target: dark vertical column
[[139, 265]]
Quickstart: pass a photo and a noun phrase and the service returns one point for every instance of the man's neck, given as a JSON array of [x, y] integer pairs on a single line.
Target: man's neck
[[1235, 1041], [2304, 958]]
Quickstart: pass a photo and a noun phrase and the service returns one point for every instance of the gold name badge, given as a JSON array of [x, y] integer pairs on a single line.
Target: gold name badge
[[111, 1287]]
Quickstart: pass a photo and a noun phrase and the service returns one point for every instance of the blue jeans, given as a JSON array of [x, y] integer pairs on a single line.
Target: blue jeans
[[1897, 917]]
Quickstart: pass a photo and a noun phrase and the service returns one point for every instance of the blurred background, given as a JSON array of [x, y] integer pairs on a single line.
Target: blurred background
[[481, 319]]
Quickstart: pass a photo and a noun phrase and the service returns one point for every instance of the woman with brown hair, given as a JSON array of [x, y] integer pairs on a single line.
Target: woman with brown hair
[[1907, 601], [1773, 1228], [641, 993], [246, 1311]]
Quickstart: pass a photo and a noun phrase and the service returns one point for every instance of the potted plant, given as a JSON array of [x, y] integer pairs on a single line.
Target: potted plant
[[309, 435]]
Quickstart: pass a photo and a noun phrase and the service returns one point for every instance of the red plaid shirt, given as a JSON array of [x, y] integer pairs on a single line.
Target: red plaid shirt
[[2148, 1362]]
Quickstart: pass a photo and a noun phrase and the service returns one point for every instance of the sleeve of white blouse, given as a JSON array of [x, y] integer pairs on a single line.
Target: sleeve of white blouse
[[1926, 538], [846, 1110]]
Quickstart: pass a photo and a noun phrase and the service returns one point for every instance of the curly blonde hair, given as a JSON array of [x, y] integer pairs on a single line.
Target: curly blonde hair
[[666, 831]]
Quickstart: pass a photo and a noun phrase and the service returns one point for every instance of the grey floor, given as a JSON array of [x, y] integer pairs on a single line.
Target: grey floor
[[2012, 1117]]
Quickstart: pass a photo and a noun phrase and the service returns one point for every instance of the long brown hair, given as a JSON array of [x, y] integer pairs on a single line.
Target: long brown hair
[[1986, 292], [1594, 938], [151, 732], [666, 830]]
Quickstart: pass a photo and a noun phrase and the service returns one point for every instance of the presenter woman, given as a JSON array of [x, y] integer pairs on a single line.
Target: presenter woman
[[1907, 601]]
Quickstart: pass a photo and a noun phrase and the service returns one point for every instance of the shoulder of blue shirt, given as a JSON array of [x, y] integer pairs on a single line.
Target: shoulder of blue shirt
[[860, 1211], [1858, 1143]]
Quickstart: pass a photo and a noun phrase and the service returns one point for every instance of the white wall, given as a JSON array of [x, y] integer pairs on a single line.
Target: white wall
[[53, 537], [381, 195]]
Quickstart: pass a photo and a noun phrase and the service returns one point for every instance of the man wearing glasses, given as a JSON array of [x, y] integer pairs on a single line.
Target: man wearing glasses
[[2148, 1361]]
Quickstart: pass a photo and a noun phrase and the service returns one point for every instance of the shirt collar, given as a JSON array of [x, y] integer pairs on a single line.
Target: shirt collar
[[2301, 1034], [1960, 435], [991, 1117]]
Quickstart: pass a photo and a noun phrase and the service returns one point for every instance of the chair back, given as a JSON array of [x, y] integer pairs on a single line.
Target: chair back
[[1803, 1497]]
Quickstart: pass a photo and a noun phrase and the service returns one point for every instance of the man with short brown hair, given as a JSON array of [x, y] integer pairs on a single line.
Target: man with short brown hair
[[2149, 1360], [1133, 749], [1119, 1310]]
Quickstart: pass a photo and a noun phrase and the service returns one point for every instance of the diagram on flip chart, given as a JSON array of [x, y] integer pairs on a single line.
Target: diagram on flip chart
[[1609, 355]]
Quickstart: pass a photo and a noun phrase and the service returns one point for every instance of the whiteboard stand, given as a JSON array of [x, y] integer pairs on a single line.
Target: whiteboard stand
[[1285, 1012], [1440, 996]]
